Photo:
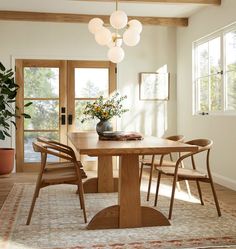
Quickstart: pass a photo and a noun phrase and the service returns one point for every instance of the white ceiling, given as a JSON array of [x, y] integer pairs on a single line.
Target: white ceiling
[[100, 8]]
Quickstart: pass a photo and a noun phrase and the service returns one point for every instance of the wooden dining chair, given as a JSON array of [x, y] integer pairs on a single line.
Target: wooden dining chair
[[192, 174], [57, 175], [153, 161], [63, 164]]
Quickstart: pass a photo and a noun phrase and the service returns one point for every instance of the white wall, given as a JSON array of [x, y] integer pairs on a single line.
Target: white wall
[[220, 129], [73, 41], [156, 118]]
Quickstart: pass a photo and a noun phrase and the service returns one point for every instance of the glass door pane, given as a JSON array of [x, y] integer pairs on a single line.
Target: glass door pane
[[230, 74], [90, 83], [42, 82], [41, 87], [87, 81]]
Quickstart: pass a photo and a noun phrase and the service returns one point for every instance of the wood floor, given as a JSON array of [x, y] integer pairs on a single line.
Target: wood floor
[[6, 183], [225, 195]]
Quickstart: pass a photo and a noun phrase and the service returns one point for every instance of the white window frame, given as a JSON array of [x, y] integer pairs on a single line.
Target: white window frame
[[219, 33]]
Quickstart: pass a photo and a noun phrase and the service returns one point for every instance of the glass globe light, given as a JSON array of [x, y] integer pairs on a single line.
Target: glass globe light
[[131, 37], [95, 24], [103, 36], [118, 19], [116, 54], [135, 25], [115, 41]]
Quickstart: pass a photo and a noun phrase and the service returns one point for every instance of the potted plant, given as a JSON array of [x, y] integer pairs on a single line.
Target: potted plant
[[8, 113]]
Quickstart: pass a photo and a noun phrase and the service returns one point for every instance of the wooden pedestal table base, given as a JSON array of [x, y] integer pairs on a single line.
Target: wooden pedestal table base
[[128, 213], [91, 186], [109, 218], [104, 183]]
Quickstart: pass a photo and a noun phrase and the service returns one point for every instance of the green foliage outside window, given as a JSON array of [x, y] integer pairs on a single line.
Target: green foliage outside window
[[37, 84]]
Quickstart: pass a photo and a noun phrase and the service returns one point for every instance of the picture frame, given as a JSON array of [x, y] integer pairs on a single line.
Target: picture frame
[[154, 86]]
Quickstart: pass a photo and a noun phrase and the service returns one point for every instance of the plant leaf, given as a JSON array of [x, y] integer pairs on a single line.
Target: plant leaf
[[26, 115], [7, 134], [2, 68], [28, 104], [14, 123], [11, 101], [2, 137]]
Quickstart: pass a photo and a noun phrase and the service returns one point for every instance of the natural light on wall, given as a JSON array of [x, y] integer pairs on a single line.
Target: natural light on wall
[[150, 117], [163, 69]]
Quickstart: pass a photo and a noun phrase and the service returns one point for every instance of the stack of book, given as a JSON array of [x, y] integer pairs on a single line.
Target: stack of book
[[120, 135]]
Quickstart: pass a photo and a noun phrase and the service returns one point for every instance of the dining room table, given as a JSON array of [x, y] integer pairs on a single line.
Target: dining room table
[[128, 213]]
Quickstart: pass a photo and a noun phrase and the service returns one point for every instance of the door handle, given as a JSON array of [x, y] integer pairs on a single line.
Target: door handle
[[63, 119], [63, 116], [70, 119]]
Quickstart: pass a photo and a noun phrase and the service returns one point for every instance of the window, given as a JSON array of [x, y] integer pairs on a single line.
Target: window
[[90, 83], [215, 73]]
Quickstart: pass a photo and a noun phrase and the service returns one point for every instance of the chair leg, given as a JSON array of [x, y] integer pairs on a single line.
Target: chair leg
[[172, 197], [157, 188], [140, 174], [80, 200], [36, 193], [82, 203], [150, 181], [215, 197], [199, 192]]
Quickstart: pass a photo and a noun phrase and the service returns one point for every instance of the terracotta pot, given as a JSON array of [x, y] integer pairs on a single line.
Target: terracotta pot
[[6, 160]]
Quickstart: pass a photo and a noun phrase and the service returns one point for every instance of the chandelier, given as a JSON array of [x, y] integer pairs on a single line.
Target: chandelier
[[123, 31]]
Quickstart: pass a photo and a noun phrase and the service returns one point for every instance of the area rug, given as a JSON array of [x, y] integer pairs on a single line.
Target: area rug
[[57, 223]]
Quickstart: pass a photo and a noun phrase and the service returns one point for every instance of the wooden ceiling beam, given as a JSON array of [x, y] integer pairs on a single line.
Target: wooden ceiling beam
[[79, 18], [216, 2]]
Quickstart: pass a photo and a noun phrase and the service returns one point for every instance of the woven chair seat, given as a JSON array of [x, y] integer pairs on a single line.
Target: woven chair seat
[[189, 173], [63, 166], [60, 176]]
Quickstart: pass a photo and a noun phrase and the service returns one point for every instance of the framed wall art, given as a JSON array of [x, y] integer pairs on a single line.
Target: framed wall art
[[154, 86]]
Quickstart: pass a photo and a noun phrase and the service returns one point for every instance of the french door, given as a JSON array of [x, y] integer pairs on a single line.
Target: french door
[[59, 91]]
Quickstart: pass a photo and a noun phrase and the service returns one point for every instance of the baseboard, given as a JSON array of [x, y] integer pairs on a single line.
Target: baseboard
[[224, 181]]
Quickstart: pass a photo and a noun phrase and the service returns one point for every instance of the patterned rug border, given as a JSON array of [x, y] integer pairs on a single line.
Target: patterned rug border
[[199, 243], [187, 244]]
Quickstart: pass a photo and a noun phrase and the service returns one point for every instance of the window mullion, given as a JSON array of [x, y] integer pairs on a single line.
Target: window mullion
[[223, 76], [209, 80]]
